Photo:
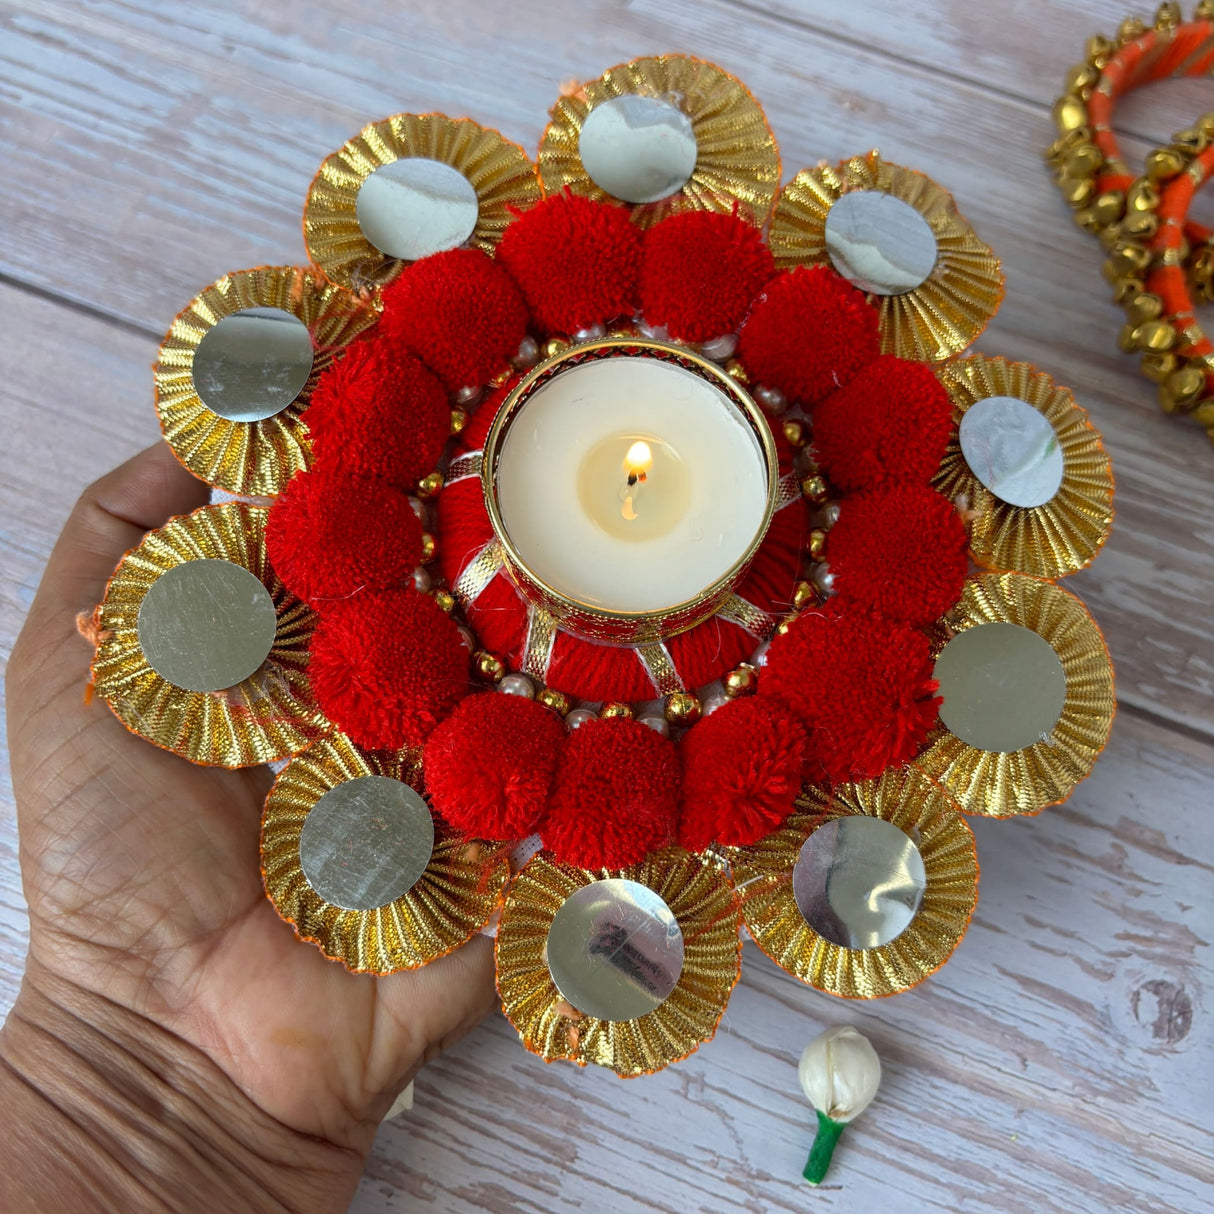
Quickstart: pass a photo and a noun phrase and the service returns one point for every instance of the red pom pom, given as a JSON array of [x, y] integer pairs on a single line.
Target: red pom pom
[[861, 684], [808, 334], [700, 272], [459, 313], [489, 765], [889, 425], [376, 411], [741, 773], [615, 796], [575, 260], [331, 535], [387, 667], [901, 551]]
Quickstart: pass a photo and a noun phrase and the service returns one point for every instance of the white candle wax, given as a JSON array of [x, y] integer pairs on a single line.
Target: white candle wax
[[606, 522]]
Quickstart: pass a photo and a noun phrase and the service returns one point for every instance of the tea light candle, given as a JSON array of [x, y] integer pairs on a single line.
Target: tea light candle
[[631, 484]]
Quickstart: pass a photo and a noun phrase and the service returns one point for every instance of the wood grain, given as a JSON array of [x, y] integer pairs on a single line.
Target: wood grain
[[1062, 1060]]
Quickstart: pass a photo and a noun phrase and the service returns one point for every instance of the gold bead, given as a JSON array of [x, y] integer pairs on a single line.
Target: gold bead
[[1097, 49], [553, 346], [737, 372], [817, 543], [558, 701], [623, 328], [815, 488], [1141, 225], [488, 667], [444, 600], [1070, 113], [1187, 385], [459, 419], [1145, 306], [1191, 140], [804, 595], [796, 433], [1163, 163], [1204, 413], [784, 625], [1159, 365], [1057, 151], [1109, 236], [1203, 10], [616, 711], [1087, 219], [1126, 257], [1083, 161], [502, 378], [1125, 289], [1081, 78], [1142, 196], [1109, 207], [1155, 335], [1125, 340], [1168, 16], [1129, 29], [682, 708], [741, 681], [1077, 190], [430, 486], [429, 547]]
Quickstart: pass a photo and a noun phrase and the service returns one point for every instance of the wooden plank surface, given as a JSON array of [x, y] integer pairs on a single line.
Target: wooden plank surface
[[1062, 1060]]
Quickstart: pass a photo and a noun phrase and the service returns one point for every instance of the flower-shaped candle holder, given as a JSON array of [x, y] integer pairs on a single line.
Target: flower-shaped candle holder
[[686, 575]]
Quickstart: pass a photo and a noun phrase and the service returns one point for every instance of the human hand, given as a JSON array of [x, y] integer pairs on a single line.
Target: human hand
[[141, 872]]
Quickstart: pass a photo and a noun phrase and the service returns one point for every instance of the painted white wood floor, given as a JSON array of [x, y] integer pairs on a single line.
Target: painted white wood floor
[[1063, 1060]]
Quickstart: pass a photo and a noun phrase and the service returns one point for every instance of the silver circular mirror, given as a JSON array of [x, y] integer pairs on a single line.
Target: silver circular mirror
[[1003, 687], [253, 364], [615, 950], [206, 625], [1012, 449], [859, 881], [366, 842], [413, 207], [879, 243], [638, 149]]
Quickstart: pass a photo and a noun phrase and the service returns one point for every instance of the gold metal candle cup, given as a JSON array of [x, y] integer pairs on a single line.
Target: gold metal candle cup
[[587, 619]]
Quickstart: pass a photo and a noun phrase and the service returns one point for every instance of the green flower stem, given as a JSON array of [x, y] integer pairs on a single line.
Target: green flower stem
[[823, 1148]]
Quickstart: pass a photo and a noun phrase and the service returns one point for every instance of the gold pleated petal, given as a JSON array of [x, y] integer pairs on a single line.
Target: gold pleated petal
[[452, 900], [1048, 541], [500, 172], [255, 459], [703, 903], [1002, 784], [944, 314], [737, 157], [762, 874], [271, 714]]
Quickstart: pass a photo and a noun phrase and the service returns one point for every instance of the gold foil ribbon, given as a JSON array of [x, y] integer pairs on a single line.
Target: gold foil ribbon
[[499, 171], [452, 901], [660, 667], [479, 572], [1065, 534], [703, 903], [747, 615], [253, 459], [945, 313], [537, 649], [788, 490], [999, 784], [762, 875], [462, 467], [271, 714], [737, 159]]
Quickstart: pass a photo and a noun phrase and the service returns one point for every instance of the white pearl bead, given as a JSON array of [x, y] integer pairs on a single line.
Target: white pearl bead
[[653, 332], [759, 657], [829, 515], [468, 396], [578, 717], [467, 639], [720, 348], [517, 685], [418, 507], [657, 724], [823, 579], [772, 399], [590, 333], [712, 701], [421, 580], [528, 354]]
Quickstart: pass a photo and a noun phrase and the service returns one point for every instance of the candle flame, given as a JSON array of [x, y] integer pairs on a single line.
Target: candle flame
[[639, 458]]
